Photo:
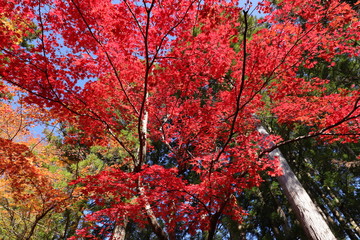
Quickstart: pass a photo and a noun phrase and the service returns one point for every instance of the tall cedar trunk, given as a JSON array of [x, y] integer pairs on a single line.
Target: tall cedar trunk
[[305, 210]]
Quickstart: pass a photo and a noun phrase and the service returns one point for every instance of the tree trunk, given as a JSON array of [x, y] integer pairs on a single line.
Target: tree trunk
[[305, 210], [119, 231]]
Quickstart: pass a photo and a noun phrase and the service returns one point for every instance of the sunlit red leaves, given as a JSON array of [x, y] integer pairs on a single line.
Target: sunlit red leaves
[[334, 114], [312, 32], [174, 199], [170, 197], [96, 65]]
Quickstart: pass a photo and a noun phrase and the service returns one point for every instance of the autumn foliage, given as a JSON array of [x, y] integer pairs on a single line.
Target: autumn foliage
[[27, 187], [192, 76]]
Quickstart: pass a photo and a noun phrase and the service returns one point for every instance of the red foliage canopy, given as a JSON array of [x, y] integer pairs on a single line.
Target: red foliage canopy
[[168, 71]]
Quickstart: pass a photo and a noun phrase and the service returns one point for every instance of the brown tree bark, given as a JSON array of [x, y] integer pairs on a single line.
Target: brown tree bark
[[119, 231], [312, 222]]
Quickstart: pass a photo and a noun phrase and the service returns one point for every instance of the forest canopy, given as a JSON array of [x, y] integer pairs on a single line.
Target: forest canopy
[[165, 119]]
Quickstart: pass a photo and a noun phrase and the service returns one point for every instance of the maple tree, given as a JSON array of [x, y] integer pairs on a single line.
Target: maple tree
[[190, 76], [35, 200], [28, 195]]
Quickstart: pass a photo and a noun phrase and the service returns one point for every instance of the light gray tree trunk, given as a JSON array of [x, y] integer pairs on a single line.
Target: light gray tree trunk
[[305, 210], [119, 231]]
